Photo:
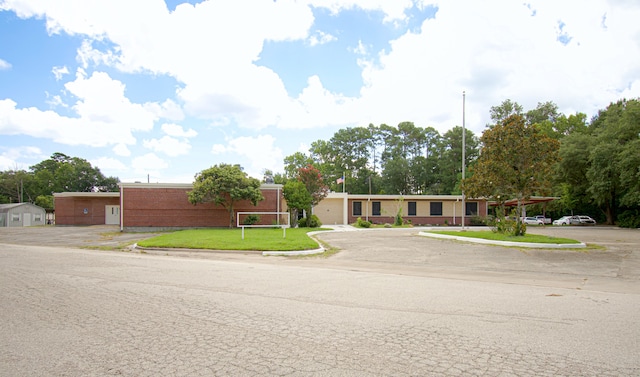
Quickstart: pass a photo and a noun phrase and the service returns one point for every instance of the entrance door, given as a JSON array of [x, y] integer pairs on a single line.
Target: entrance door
[[112, 215], [26, 219]]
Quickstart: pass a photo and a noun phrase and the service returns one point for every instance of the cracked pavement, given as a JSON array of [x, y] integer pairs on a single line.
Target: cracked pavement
[[385, 305]]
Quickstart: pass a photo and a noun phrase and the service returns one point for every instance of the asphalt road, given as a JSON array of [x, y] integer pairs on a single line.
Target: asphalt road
[[388, 303]]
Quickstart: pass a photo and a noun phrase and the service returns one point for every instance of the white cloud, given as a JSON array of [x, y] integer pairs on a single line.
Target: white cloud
[[218, 149], [58, 72], [149, 164], [320, 38], [393, 10], [518, 57], [169, 109], [56, 101], [121, 150], [105, 116], [168, 145], [177, 130], [6, 163], [109, 166], [260, 152], [493, 50], [4, 65], [10, 157]]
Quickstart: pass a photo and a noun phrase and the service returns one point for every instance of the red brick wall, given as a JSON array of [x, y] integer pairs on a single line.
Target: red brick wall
[[70, 210], [170, 207]]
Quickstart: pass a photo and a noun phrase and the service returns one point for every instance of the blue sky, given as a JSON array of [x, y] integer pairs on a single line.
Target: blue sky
[[166, 89]]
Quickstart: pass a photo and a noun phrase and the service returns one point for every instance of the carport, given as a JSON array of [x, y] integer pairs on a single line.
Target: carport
[[525, 202]]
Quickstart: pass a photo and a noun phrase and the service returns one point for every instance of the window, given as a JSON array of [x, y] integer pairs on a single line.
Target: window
[[412, 209], [472, 209], [357, 208], [37, 217], [435, 208], [375, 208], [15, 217]]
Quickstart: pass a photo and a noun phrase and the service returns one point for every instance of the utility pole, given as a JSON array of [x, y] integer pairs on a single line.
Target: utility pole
[[464, 210]]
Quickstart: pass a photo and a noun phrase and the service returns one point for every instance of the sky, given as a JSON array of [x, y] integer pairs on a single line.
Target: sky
[[153, 90]]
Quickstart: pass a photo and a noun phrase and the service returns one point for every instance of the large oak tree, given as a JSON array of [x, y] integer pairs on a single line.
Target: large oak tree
[[515, 161]]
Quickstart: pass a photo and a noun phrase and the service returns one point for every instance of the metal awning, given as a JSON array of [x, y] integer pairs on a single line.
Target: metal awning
[[531, 200]]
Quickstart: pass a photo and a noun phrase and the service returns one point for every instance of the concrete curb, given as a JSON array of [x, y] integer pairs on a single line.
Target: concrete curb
[[319, 250], [580, 245]]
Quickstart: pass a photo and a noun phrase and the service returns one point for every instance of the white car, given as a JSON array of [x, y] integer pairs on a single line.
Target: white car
[[564, 220], [582, 220], [532, 221]]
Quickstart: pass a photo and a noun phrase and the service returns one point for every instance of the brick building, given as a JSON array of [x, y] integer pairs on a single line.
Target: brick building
[[344, 208], [156, 206]]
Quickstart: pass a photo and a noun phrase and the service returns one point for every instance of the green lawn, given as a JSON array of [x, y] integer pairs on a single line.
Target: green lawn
[[261, 239], [488, 235]]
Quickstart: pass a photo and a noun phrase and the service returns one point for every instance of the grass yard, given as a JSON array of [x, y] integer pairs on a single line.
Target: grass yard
[[260, 239], [488, 235]]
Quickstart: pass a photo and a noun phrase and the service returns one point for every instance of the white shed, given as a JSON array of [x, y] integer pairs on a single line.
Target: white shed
[[21, 214]]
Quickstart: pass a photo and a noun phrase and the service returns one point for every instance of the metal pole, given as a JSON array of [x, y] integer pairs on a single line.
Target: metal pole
[[464, 210]]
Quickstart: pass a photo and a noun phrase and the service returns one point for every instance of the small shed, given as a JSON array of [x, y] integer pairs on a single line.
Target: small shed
[[21, 214]]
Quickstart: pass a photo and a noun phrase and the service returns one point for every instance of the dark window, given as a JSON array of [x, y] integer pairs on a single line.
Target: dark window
[[472, 209], [357, 208], [412, 209], [435, 208], [376, 208]]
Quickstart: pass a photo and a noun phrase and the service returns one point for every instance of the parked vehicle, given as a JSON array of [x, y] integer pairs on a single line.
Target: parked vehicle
[[545, 220], [582, 220], [532, 221], [564, 220]]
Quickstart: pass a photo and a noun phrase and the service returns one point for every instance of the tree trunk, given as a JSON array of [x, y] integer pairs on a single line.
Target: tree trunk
[[231, 216]]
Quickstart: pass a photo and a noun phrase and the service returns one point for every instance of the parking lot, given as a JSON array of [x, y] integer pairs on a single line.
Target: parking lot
[[387, 302], [611, 263]]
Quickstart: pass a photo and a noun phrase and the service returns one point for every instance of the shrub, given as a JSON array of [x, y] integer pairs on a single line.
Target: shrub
[[398, 219], [507, 225], [477, 221], [363, 223], [629, 219], [251, 219], [302, 223], [314, 222]]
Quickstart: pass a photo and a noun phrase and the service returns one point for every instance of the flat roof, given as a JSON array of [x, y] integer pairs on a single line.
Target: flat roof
[[88, 194], [526, 202], [186, 186]]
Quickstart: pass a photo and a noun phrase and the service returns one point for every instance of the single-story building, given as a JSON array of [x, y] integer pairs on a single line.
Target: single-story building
[[21, 214], [344, 208], [166, 206], [157, 206], [87, 208], [144, 206]]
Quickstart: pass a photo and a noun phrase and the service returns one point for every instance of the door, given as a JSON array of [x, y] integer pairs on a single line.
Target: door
[[112, 215], [26, 219]]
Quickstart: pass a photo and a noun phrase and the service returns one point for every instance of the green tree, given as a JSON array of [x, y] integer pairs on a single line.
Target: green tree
[[516, 160], [544, 112], [613, 174], [225, 185], [73, 174], [297, 197], [450, 161], [294, 162], [503, 111], [17, 186]]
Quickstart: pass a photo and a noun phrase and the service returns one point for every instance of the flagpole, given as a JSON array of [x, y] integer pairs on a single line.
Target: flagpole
[[464, 210]]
